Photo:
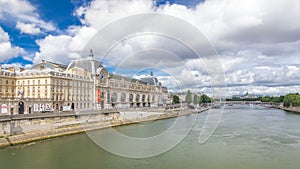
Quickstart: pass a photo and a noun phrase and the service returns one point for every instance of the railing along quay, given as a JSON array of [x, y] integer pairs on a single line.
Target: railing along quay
[[53, 115]]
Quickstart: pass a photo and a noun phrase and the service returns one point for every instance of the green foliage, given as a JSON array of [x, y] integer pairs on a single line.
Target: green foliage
[[288, 100], [197, 99], [205, 99], [266, 99], [176, 99], [188, 97], [292, 99], [1, 136], [272, 99]]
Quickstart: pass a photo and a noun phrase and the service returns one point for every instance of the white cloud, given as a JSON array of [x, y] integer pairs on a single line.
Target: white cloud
[[24, 15], [7, 50], [54, 48], [28, 28], [249, 35], [100, 13], [63, 48], [17, 66]]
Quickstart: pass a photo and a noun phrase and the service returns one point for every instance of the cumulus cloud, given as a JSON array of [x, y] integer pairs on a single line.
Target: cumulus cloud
[[7, 50], [28, 28], [100, 13], [257, 42], [17, 66], [63, 48], [24, 15]]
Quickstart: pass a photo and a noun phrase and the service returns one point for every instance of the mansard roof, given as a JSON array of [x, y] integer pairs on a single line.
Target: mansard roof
[[151, 80], [128, 79], [89, 64], [49, 65]]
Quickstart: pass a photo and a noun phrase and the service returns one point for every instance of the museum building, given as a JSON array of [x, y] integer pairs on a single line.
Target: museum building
[[83, 85]]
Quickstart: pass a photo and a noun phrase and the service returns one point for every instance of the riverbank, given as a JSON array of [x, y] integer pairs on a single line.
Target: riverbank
[[291, 109], [87, 126]]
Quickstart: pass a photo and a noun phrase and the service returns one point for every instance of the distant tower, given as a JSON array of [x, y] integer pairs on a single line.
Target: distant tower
[[91, 53], [151, 73]]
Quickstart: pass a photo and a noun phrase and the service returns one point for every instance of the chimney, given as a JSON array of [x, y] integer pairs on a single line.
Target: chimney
[[22, 69], [91, 53], [12, 69]]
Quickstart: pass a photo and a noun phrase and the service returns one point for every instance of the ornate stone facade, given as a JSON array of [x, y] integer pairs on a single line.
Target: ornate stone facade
[[81, 86]]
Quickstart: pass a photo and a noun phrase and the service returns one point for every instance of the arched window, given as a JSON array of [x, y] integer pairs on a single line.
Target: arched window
[[143, 98], [137, 98], [123, 97], [114, 97], [131, 97], [148, 98]]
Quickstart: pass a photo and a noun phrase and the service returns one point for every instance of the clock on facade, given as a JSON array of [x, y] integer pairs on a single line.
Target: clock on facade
[[102, 77]]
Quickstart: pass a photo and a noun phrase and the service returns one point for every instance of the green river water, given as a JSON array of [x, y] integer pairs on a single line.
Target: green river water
[[247, 138]]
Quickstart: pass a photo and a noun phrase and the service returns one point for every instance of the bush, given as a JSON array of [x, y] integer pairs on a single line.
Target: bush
[[291, 100], [176, 99]]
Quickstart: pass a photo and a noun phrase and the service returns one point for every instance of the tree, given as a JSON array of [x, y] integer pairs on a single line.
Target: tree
[[205, 99], [197, 99], [275, 99], [188, 97], [266, 99], [176, 99], [291, 100]]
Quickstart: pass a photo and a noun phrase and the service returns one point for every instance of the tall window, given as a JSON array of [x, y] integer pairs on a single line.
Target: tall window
[[123, 97], [114, 97], [137, 98]]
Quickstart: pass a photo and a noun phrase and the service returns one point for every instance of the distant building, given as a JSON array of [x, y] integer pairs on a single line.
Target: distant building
[[246, 96], [82, 85]]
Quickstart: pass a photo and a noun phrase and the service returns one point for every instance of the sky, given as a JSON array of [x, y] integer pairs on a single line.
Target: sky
[[257, 42]]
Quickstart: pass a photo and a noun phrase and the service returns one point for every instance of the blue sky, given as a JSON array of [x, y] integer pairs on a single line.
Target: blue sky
[[61, 14], [258, 48]]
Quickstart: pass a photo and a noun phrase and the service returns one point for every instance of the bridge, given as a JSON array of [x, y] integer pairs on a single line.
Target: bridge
[[266, 104]]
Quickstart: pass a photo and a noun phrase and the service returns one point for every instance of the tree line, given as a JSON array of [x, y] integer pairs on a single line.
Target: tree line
[[292, 99], [193, 98]]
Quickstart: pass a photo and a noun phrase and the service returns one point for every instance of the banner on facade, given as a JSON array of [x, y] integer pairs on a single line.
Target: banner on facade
[[35, 107], [99, 96], [47, 107], [108, 96], [67, 108], [42, 107], [3, 108]]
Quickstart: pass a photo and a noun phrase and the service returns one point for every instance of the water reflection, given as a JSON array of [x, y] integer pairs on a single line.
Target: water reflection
[[247, 138]]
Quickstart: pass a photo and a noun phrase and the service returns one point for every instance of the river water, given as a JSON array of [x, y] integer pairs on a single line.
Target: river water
[[247, 138]]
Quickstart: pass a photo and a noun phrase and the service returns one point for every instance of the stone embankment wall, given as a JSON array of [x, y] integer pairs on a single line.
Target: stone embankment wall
[[27, 130], [292, 109], [12, 125]]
